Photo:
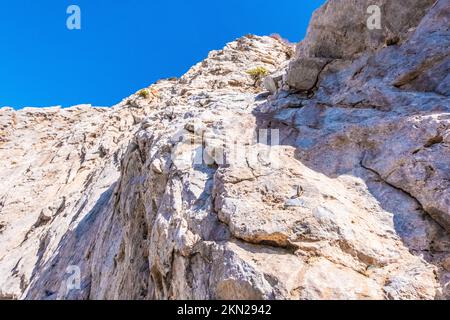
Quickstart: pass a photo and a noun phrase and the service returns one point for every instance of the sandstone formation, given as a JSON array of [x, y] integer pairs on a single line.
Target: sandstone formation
[[331, 183]]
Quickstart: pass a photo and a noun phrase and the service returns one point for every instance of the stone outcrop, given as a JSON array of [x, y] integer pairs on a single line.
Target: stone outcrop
[[334, 184], [339, 31]]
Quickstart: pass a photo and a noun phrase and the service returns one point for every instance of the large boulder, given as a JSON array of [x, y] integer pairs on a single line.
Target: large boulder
[[303, 73], [340, 30]]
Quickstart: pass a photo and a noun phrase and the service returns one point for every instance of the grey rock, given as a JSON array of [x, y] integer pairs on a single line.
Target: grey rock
[[303, 73], [294, 203], [148, 220], [272, 82]]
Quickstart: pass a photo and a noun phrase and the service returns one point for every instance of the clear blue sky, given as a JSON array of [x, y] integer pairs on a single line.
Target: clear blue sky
[[123, 45]]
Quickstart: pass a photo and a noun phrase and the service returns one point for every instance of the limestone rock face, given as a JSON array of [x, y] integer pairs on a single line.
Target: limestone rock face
[[333, 185], [340, 30]]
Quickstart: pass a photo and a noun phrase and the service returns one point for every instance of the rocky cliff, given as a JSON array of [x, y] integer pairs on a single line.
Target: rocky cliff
[[333, 182]]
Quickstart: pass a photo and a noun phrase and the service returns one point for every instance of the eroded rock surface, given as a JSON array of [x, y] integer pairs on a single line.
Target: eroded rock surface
[[335, 184]]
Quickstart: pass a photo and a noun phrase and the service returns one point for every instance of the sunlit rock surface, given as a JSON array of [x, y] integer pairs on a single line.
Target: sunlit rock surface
[[332, 184]]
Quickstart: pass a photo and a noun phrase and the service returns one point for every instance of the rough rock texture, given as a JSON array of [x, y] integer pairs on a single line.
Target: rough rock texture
[[338, 30], [173, 197]]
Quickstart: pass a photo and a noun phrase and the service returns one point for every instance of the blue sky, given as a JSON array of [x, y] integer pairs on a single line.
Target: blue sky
[[123, 45]]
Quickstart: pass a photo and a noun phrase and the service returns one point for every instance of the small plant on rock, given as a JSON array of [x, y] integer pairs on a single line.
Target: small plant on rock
[[258, 73], [144, 93]]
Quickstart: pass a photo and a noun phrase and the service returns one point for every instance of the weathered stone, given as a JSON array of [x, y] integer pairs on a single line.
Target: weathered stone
[[303, 73], [446, 264], [272, 83], [351, 202], [339, 29]]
